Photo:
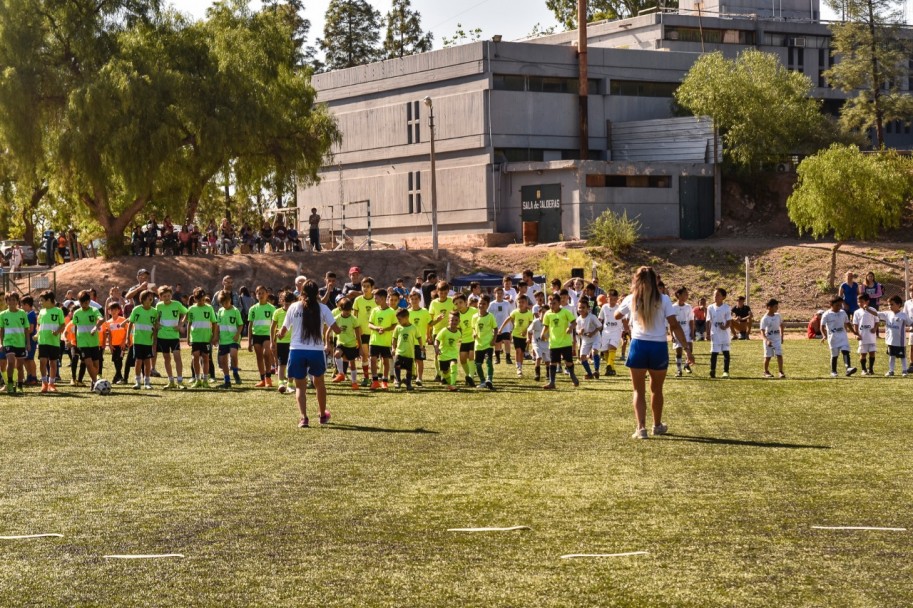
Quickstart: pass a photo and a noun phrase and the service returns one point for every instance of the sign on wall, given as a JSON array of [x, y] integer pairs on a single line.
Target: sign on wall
[[542, 203]]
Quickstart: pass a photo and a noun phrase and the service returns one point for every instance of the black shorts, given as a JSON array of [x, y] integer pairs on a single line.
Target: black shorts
[[16, 351], [566, 353], [92, 352], [225, 349], [47, 351], [467, 347], [404, 362], [365, 339], [169, 345], [445, 365], [520, 343], [419, 353], [896, 351], [505, 337], [204, 348], [142, 352], [482, 354], [349, 353], [259, 340], [381, 351], [282, 349]]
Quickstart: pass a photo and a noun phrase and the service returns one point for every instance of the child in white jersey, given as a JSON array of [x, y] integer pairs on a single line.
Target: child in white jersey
[[896, 323], [908, 310], [501, 309], [540, 347], [719, 318], [684, 314], [865, 326], [612, 330], [834, 327], [588, 332], [772, 333]]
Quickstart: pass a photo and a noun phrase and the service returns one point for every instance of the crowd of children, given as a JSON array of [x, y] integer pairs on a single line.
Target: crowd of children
[[388, 334]]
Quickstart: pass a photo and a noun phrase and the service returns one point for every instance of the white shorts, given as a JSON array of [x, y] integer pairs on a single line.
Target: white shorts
[[542, 351], [588, 347], [773, 351], [836, 349], [610, 341], [719, 347], [866, 347], [675, 343], [910, 341]]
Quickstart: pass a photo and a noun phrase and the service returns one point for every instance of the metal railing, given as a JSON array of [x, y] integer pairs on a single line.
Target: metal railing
[[28, 282]]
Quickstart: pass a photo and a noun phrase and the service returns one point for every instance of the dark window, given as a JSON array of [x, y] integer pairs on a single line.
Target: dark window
[[640, 88], [413, 123], [638, 181], [542, 84], [415, 192], [507, 82]]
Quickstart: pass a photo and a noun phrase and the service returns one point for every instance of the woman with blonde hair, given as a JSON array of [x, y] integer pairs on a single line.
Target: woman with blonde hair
[[649, 310]]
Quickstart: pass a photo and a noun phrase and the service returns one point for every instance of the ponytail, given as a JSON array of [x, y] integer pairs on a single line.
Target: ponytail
[[311, 321]]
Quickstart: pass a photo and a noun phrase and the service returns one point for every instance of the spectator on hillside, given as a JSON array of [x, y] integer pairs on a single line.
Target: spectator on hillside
[[227, 240], [62, 247], [294, 241], [700, 320], [352, 289], [279, 235], [314, 230], [266, 237], [246, 238], [813, 331], [152, 234], [49, 247], [15, 258], [873, 289], [169, 238], [742, 318], [849, 291], [185, 241]]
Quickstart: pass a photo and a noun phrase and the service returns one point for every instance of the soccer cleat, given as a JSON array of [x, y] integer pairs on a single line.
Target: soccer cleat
[[354, 386], [575, 382], [325, 418], [688, 369], [548, 387], [303, 423], [887, 374], [269, 382], [80, 383], [864, 372], [148, 387], [437, 378], [537, 377], [768, 375], [452, 389], [596, 374], [833, 374], [481, 386], [137, 386], [660, 429], [224, 385], [170, 386], [384, 385], [489, 385], [725, 374], [410, 388], [396, 384], [678, 374], [712, 374], [44, 387], [155, 374], [850, 371], [73, 382], [52, 388], [365, 383], [375, 385], [338, 378], [610, 371], [261, 384], [640, 434], [781, 376], [509, 360], [418, 383], [470, 382], [588, 377], [519, 373], [237, 378]]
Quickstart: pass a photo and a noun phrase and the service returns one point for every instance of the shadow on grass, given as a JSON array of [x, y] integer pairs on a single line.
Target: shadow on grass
[[745, 443], [376, 429]]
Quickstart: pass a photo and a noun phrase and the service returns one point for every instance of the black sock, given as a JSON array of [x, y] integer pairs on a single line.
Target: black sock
[[846, 357], [552, 373], [871, 364], [834, 364], [570, 370], [713, 358], [726, 361]]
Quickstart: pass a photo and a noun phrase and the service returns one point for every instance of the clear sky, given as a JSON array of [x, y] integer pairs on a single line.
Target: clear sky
[[511, 18]]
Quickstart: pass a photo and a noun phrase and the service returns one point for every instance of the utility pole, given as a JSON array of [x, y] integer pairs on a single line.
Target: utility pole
[[434, 247], [584, 92]]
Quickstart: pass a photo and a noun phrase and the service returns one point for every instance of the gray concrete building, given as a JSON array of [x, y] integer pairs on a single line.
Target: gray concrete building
[[507, 124]]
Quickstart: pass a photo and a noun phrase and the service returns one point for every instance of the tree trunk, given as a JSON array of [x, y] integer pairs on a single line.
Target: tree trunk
[[114, 226], [832, 276], [876, 78], [28, 215]]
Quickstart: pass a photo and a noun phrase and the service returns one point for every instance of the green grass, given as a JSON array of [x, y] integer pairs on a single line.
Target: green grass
[[356, 514]]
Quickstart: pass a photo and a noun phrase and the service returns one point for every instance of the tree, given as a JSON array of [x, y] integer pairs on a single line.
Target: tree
[[351, 34], [538, 30], [404, 31], [850, 194], [291, 12], [871, 62], [461, 36], [599, 10], [739, 94]]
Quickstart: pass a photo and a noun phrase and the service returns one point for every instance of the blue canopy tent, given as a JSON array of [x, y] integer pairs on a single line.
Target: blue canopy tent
[[487, 279]]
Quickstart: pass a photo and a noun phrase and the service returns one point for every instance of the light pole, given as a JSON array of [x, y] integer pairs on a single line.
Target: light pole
[[430, 104]]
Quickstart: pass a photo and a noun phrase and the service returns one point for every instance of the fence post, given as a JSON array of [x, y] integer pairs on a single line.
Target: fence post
[[747, 279], [906, 274]]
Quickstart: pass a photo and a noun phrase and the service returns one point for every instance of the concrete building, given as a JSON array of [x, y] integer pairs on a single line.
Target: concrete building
[[506, 116]]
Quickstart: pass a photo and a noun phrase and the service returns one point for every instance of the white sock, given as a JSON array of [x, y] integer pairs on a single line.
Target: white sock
[[139, 379], [339, 365], [678, 363], [891, 364]]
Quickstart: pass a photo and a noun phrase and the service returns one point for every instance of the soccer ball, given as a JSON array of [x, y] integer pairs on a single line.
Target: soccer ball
[[102, 387]]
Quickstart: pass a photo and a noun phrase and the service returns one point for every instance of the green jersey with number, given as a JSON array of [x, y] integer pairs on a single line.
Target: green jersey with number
[[351, 331], [142, 325], [201, 319], [385, 318], [230, 324], [406, 337], [521, 321], [169, 319], [50, 320], [15, 325], [261, 318], [484, 328], [362, 308], [449, 343], [558, 324], [85, 321]]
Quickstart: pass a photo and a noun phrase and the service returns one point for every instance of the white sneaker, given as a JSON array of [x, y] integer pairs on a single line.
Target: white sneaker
[[519, 373], [725, 374], [640, 434], [888, 374], [660, 429], [850, 371], [833, 374]]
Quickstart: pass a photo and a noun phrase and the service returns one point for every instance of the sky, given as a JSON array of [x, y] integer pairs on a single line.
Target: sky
[[512, 19]]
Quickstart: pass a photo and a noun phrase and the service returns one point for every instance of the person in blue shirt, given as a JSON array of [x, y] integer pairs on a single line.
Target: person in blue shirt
[[849, 291]]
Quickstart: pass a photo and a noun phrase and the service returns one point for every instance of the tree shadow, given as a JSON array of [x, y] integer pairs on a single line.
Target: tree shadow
[[375, 429], [745, 443]]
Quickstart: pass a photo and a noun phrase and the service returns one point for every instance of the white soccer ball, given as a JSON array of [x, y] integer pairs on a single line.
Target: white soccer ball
[[102, 387]]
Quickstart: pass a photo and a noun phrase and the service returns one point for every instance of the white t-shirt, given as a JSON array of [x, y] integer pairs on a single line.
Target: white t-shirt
[[535, 329], [510, 295], [908, 310], [717, 317], [865, 323], [588, 324], [611, 327], [293, 320], [895, 324], [574, 297], [835, 322], [772, 327], [684, 314], [501, 312], [655, 330]]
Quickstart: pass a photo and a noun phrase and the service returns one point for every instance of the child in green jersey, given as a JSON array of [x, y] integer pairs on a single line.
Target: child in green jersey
[[381, 324], [171, 317], [362, 308], [27, 303], [144, 324], [484, 330], [405, 339], [51, 323], [347, 341], [258, 339], [14, 334], [87, 322], [230, 323], [559, 325], [521, 318], [421, 318], [467, 345], [282, 345], [447, 343], [203, 331]]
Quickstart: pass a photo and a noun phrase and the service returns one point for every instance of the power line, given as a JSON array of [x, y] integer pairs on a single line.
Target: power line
[[460, 14]]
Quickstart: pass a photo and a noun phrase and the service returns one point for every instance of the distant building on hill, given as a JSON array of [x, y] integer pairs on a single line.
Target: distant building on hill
[[507, 144]]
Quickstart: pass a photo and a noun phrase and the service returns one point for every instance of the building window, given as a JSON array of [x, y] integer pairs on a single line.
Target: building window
[[541, 84], [795, 59], [710, 36], [508, 82], [638, 181], [640, 88], [413, 122], [825, 61], [415, 192]]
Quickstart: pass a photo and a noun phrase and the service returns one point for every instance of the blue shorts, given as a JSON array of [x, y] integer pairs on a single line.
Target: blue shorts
[[304, 363], [648, 355]]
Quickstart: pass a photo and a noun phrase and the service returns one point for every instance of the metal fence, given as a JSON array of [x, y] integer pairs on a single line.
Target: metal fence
[[28, 282]]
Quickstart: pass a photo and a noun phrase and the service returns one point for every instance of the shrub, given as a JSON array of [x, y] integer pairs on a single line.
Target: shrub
[[558, 264], [617, 233]]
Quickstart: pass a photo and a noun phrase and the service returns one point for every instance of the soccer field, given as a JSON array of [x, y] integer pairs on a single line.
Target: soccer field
[[357, 513]]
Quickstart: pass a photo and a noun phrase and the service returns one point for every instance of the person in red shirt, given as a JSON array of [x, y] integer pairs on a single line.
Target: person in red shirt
[[814, 326], [700, 320]]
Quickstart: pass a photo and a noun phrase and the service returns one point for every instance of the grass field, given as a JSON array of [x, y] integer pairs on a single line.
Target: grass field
[[355, 514]]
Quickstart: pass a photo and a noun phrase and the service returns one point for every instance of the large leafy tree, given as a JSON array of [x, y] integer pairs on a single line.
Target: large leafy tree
[[351, 34], [404, 31], [850, 194], [739, 94], [871, 63], [597, 10], [291, 11]]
